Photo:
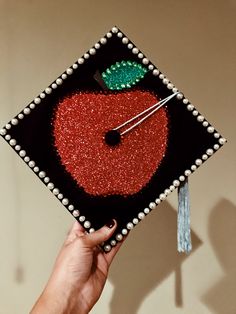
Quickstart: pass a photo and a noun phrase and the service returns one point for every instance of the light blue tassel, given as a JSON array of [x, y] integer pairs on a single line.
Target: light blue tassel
[[184, 232]]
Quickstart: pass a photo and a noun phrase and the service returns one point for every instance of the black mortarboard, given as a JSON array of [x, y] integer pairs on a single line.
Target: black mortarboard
[[111, 137]]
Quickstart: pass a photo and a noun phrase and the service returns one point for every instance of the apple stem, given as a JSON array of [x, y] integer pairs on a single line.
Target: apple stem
[[97, 76]]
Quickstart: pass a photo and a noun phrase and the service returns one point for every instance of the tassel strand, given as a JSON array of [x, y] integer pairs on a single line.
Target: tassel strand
[[184, 231]]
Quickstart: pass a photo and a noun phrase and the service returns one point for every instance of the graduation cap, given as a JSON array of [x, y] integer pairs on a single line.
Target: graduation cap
[[112, 137]]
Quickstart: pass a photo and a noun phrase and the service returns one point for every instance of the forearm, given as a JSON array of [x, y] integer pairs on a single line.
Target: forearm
[[45, 304], [52, 301]]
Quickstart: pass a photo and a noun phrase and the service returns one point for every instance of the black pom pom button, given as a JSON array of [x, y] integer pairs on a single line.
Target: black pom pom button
[[112, 138]]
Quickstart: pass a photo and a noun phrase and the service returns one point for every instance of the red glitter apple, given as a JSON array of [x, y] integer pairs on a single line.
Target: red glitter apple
[[81, 123]]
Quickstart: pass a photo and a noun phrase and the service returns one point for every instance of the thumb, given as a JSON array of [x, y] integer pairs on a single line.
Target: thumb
[[74, 232], [101, 235]]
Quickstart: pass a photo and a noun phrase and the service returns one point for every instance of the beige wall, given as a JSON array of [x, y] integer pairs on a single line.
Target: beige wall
[[193, 42]]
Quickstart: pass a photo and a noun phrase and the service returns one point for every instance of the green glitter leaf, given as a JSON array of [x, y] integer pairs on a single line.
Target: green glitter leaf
[[124, 74]]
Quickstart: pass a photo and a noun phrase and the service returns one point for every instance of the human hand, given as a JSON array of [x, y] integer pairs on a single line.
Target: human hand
[[79, 273]]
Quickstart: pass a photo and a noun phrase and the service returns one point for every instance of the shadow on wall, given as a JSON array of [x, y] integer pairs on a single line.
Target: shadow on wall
[[148, 256], [221, 298]]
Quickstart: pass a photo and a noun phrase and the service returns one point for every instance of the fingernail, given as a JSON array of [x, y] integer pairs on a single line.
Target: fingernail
[[110, 223]]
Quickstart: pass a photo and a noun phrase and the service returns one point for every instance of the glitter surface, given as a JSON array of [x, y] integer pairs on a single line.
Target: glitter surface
[[79, 127], [124, 74]]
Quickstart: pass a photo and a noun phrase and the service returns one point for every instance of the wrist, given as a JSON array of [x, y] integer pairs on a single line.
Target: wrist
[[58, 301]]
